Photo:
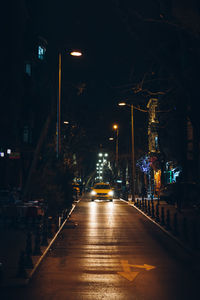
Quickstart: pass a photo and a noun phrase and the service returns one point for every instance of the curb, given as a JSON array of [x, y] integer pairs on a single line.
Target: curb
[[16, 282], [178, 241]]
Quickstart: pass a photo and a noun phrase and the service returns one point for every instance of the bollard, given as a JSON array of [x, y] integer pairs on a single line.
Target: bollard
[[29, 243], [175, 231], [21, 266], [195, 235], [28, 260], [44, 234], [49, 227], [149, 208], [59, 221], [37, 250], [158, 200], [162, 216], [139, 204], [142, 206], [185, 229], [157, 213], [1, 273], [145, 205], [152, 210], [168, 220]]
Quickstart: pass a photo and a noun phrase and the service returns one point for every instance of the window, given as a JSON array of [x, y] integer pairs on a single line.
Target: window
[[156, 142], [41, 52], [102, 186]]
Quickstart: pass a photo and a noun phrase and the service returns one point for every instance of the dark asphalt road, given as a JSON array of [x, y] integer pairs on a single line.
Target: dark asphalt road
[[114, 252]]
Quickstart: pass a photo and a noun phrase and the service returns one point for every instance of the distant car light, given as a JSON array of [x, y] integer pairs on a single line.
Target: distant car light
[[93, 193]]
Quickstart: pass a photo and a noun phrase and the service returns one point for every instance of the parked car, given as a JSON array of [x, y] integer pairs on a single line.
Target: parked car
[[183, 193]]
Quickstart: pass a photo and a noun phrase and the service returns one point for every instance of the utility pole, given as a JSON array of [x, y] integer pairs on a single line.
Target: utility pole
[[133, 155]]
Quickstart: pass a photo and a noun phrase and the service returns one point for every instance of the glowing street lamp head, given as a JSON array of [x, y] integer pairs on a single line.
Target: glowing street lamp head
[[115, 126], [122, 104], [76, 53]]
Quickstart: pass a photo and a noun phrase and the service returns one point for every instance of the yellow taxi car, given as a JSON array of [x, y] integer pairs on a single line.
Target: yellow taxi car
[[102, 191]]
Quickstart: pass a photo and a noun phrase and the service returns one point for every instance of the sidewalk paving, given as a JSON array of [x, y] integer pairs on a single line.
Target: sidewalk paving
[[183, 226], [13, 240]]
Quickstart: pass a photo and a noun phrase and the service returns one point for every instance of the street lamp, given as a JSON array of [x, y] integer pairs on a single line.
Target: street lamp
[[132, 147], [101, 163], [73, 53], [116, 127]]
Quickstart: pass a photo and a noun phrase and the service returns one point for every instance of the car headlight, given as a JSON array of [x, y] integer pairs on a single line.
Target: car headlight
[[110, 193], [93, 193]]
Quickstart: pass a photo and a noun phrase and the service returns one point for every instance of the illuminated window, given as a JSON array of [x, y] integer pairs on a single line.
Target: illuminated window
[[41, 52], [156, 142]]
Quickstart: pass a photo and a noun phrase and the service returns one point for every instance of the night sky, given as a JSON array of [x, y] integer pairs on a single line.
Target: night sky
[[124, 44], [108, 51]]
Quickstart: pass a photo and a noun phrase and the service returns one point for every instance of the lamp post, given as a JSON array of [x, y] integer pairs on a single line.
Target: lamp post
[[116, 127], [132, 148], [73, 53]]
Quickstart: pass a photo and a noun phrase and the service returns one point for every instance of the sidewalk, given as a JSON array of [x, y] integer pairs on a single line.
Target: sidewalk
[[20, 257], [183, 226]]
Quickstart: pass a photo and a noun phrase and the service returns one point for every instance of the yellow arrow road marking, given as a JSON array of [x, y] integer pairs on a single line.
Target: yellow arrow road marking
[[127, 270], [130, 276], [147, 267], [125, 266]]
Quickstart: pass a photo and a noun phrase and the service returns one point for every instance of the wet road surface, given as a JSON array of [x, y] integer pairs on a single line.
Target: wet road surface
[[111, 251]]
